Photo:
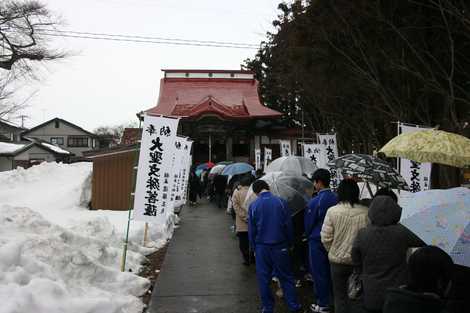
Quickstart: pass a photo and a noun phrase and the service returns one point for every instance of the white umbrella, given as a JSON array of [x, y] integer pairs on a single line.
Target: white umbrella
[[294, 165], [296, 190], [217, 169]]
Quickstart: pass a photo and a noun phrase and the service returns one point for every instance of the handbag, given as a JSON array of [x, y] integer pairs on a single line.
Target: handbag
[[354, 286]]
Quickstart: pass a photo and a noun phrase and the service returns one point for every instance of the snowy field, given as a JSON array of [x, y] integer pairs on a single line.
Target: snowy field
[[57, 256]]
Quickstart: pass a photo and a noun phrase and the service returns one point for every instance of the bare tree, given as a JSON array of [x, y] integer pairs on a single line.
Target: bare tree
[[21, 39], [22, 43]]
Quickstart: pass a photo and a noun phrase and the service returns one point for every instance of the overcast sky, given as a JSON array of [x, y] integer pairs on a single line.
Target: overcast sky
[[107, 82]]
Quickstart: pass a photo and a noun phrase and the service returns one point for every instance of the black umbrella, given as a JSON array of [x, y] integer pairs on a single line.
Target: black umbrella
[[369, 169]]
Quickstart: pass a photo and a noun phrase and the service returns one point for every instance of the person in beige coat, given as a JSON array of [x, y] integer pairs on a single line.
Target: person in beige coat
[[340, 227], [241, 217]]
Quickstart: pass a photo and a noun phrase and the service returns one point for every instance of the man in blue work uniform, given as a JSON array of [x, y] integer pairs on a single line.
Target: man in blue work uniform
[[318, 256], [271, 234]]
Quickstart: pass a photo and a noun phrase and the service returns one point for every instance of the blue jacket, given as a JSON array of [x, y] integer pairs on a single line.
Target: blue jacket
[[316, 211], [269, 221]]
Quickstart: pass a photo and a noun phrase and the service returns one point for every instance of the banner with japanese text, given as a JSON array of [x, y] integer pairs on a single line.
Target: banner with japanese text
[[257, 159], [331, 153], [417, 175], [316, 153], [154, 175], [187, 162], [268, 157], [179, 167], [285, 148]]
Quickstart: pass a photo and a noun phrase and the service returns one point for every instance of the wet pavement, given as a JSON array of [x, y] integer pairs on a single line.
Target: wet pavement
[[203, 271]]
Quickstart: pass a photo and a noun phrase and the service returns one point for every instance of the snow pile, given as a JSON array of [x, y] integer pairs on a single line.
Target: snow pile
[[58, 256]]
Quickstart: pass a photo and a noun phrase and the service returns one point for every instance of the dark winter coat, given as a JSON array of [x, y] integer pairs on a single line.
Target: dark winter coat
[[194, 187], [401, 300], [380, 250], [220, 183]]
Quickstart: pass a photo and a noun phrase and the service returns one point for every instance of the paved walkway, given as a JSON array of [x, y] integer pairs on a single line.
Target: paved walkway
[[203, 270]]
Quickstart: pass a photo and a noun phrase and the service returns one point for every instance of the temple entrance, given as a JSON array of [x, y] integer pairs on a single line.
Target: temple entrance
[[201, 151]]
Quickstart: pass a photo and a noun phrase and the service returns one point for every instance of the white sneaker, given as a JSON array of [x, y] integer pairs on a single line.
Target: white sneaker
[[319, 309]]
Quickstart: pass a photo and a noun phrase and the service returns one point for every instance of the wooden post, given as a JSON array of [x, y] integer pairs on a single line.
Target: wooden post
[[146, 229], [131, 205]]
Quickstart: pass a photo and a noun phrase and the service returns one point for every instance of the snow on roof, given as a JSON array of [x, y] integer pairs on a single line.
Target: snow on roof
[[9, 123], [55, 148], [6, 147]]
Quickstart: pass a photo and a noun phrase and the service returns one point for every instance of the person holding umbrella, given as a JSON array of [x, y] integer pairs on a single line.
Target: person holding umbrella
[[271, 234], [318, 256]]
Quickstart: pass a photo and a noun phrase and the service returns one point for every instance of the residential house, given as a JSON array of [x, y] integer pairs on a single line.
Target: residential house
[[28, 153], [131, 136], [65, 135], [9, 132]]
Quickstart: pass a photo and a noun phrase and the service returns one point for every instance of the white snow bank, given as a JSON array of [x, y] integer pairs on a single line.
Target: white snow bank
[[6, 147], [58, 256]]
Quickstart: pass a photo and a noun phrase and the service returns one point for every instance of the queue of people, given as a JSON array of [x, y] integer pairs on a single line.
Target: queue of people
[[344, 237]]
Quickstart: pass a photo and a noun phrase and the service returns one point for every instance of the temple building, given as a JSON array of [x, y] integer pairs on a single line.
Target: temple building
[[222, 112]]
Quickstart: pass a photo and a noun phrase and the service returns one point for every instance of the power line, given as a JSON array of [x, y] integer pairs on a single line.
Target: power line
[[146, 39], [150, 37]]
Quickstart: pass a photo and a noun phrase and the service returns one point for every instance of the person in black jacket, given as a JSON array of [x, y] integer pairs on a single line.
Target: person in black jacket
[[220, 183], [194, 187], [380, 249], [430, 271]]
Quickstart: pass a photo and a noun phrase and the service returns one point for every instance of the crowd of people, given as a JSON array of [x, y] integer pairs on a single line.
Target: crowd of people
[[348, 243]]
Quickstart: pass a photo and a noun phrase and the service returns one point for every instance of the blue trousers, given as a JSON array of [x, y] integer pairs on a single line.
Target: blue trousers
[[320, 270], [275, 259]]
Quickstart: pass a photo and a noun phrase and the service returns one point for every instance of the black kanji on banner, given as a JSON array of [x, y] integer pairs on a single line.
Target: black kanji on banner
[[154, 170], [415, 185]]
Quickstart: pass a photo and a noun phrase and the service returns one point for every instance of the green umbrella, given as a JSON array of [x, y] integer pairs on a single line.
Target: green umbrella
[[434, 146]]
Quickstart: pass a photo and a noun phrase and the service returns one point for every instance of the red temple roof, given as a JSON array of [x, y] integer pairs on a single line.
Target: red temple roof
[[194, 93]]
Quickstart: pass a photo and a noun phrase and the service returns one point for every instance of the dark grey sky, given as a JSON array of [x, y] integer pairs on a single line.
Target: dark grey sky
[[106, 83]]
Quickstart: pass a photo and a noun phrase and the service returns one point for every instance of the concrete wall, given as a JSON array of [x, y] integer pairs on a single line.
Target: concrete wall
[[6, 163], [64, 130]]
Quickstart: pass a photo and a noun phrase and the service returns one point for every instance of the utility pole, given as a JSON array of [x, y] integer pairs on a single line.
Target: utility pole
[[23, 117]]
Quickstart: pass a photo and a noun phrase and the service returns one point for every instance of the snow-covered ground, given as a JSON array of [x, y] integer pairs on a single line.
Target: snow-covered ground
[[58, 256]]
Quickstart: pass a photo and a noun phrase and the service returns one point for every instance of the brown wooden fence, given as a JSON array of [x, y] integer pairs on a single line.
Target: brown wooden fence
[[112, 180]]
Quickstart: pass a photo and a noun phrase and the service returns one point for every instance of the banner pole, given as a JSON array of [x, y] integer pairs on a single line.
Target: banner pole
[[146, 229], [131, 204]]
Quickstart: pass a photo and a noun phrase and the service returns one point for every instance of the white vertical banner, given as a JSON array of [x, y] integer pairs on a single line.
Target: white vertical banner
[[179, 165], [417, 175], [285, 148], [153, 183], [257, 159], [316, 153], [188, 162], [331, 153], [268, 157]]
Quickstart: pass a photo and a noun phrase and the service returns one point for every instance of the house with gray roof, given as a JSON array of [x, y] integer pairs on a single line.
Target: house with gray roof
[[28, 153], [63, 134]]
